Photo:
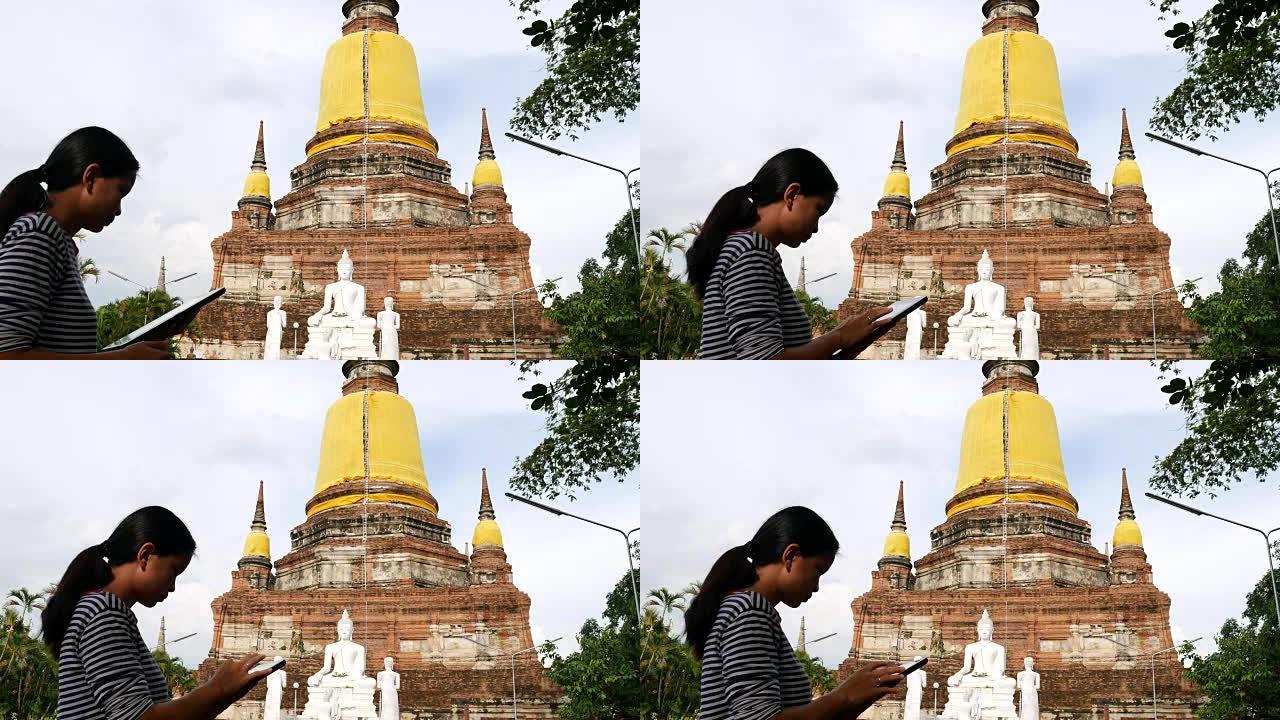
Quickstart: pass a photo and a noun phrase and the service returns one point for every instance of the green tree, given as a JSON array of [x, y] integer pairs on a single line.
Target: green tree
[[1241, 678], [593, 66], [180, 678], [28, 671], [117, 319], [666, 241], [1233, 67], [820, 678], [89, 269], [24, 600], [664, 599], [600, 680], [822, 319]]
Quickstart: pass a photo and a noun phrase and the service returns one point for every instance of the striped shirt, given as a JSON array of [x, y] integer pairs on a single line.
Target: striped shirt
[[749, 671], [749, 311], [105, 671], [43, 303]]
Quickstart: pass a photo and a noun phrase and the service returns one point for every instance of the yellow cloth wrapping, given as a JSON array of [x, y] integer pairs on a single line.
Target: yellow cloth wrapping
[[487, 534], [1127, 173], [257, 544], [1034, 451], [897, 544], [257, 185], [1127, 533], [395, 453], [898, 184], [487, 173], [1035, 92]]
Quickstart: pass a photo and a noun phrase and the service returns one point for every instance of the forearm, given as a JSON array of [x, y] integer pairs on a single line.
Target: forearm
[[203, 703], [34, 354], [828, 707], [822, 347]]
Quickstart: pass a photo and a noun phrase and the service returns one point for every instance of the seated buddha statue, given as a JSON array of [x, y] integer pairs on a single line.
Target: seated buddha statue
[[980, 330], [340, 331], [981, 680]]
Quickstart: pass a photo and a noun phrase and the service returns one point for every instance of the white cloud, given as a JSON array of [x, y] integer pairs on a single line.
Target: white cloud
[[198, 438], [837, 77], [726, 445]]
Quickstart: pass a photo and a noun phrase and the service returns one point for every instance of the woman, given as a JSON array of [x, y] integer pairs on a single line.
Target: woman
[[749, 671], [45, 313], [105, 671], [749, 311]]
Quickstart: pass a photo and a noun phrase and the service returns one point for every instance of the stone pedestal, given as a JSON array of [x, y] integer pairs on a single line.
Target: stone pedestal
[[981, 338], [332, 341], [355, 701], [995, 696]]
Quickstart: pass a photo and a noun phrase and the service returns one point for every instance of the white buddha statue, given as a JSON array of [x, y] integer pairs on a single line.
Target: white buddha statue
[[276, 683], [981, 680], [1029, 684], [980, 330], [341, 679], [276, 318], [916, 322], [340, 331], [916, 683], [1029, 327], [389, 684], [389, 327]]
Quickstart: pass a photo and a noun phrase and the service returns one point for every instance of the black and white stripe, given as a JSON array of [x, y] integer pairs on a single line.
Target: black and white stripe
[[749, 311], [43, 303], [105, 671], [749, 671]]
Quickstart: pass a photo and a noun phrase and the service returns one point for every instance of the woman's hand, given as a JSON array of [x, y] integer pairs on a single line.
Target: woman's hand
[[854, 331], [870, 683], [232, 679], [146, 350]]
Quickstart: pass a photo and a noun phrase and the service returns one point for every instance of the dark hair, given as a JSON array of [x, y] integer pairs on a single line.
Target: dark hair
[[91, 569], [65, 168], [736, 568], [737, 209]]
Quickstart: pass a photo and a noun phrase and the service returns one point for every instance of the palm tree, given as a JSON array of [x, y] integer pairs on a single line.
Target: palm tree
[[88, 269], [693, 229], [667, 240], [27, 601], [667, 600]]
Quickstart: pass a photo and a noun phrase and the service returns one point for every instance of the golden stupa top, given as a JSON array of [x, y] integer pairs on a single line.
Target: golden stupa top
[[897, 543], [371, 435], [257, 544], [898, 183], [487, 171], [393, 92], [1127, 532], [487, 533], [1033, 91], [1011, 434], [258, 183], [1127, 173]]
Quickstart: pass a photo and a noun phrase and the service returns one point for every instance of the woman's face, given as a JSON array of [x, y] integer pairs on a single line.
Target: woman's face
[[102, 197], [158, 574], [800, 575], [798, 218]]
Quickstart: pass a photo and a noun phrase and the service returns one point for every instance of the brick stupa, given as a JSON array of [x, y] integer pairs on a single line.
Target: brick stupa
[[373, 546], [1013, 545], [374, 186], [1014, 185]]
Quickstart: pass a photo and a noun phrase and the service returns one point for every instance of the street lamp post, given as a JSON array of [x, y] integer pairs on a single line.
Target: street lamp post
[[626, 176], [1266, 176], [807, 283], [1266, 537], [295, 700], [295, 339], [513, 295], [626, 536], [935, 700], [935, 340], [513, 664], [1153, 295], [1153, 664]]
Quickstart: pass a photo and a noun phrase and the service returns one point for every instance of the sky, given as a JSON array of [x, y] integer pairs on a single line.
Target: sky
[[198, 438], [725, 446], [185, 84], [837, 77]]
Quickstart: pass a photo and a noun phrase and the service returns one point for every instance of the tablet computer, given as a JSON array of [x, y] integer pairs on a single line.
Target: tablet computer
[[168, 324], [885, 323]]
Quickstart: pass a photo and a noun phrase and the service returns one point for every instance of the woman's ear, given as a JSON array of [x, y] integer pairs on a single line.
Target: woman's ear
[[145, 554], [789, 555], [91, 175], [792, 192]]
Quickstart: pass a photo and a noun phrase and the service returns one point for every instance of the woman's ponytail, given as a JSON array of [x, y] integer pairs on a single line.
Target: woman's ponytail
[[91, 568], [738, 209], [24, 194], [734, 211], [736, 568]]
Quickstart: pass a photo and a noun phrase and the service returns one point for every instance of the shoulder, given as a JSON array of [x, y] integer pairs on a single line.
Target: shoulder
[[102, 607], [746, 606], [747, 241], [37, 233]]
